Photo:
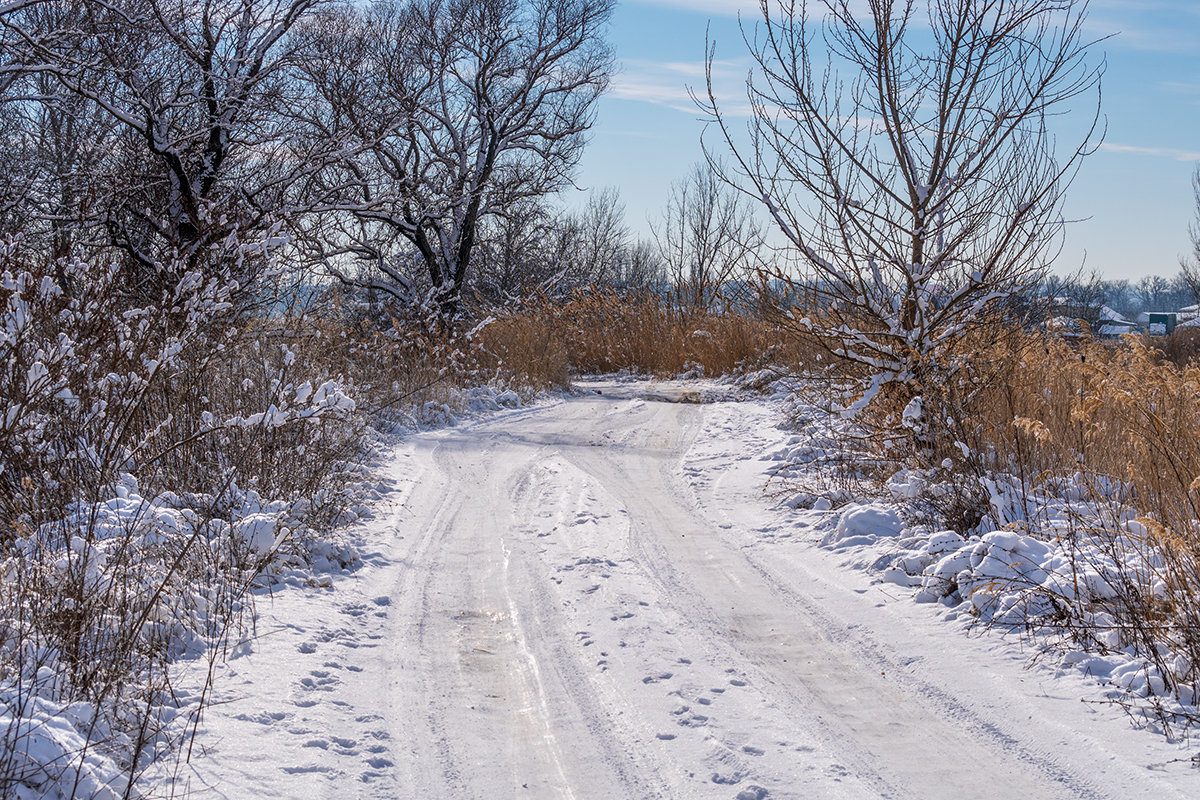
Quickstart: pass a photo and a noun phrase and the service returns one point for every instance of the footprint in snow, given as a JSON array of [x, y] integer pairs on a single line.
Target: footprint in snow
[[263, 718], [319, 682], [306, 769], [728, 778]]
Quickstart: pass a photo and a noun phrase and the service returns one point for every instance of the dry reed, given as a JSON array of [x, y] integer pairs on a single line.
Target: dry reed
[[602, 331], [1113, 425]]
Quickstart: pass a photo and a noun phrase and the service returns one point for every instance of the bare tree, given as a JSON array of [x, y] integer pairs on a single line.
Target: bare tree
[[474, 105], [519, 250], [644, 267], [530, 245], [1190, 264], [1153, 291], [200, 160], [706, 235], [603, 240], [911, 169], [57, 145]]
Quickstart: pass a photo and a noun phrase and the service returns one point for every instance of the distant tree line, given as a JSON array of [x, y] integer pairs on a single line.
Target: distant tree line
[[1087, 295]]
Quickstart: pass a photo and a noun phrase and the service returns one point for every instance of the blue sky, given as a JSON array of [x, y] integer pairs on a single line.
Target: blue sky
[[1135, 193]]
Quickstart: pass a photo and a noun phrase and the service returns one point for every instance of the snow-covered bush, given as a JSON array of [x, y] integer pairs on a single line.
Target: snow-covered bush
[[1084, 460], [155, 459]]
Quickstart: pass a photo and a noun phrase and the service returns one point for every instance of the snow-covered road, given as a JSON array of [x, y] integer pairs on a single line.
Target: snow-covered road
[[596, 599]]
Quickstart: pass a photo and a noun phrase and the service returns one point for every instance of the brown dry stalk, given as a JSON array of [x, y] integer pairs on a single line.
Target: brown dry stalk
[[602, 331]]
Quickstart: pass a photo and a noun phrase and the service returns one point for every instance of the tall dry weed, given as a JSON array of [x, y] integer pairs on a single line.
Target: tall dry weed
[[598, 331], [1116, 427]]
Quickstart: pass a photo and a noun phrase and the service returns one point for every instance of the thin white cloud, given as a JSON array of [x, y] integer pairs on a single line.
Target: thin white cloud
[[1159, 152], [719, 8], [637, 88], [1143, 6], [689, 70], [1158, 26], [1182, 87], [748, 9], [667, 83]]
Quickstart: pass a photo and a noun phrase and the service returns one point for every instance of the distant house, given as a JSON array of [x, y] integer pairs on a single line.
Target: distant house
[[1112, 325], [1188, 314], [1158, 323]]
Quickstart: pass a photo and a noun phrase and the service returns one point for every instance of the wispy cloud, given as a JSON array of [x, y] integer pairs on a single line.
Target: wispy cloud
[[1143, 6], [667, 83], [1158, 26], [717, 8], [1159, 152]]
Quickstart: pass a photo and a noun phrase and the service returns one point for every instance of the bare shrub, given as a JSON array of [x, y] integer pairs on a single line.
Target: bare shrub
[[154, 462]]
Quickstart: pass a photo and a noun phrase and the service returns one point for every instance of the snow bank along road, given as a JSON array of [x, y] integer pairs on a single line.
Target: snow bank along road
[[596, 599]]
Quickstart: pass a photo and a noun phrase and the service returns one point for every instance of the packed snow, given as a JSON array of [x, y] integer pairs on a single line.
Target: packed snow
[[623, 593]]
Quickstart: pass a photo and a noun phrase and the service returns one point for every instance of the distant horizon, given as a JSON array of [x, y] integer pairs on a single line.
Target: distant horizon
[[1133, 197]]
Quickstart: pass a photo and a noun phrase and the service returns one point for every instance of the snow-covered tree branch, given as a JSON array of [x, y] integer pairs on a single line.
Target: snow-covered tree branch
[[470, 106], [912, 159]]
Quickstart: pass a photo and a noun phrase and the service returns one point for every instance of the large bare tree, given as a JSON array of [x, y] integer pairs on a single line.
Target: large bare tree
[[472, 107], [912, 156], [198, 159]]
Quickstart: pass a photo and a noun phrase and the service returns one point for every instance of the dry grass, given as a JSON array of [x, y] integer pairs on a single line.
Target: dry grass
[[1118, 423], [601, 331], [1182, 346]]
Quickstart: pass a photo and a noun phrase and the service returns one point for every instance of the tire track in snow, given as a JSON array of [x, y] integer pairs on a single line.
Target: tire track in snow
[[578, 601], [504, 653], [891, 738], [956, 683]]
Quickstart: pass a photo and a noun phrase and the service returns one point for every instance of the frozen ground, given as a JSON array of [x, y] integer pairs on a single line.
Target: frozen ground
[[595, 599]]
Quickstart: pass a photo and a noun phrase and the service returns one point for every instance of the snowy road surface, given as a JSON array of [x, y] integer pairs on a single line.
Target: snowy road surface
[[596, 599]]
